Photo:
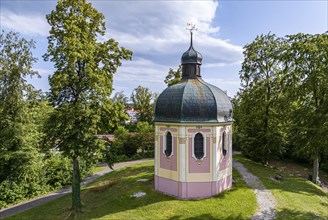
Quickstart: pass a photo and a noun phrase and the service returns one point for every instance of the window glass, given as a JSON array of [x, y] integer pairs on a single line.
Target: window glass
[[199, 146], [168, 148], [224, 149]]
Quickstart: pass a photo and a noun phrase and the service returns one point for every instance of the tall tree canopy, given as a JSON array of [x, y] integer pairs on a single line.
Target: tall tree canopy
[[82, 83], [143, 100], [283, 105], [17, 147], [307, 81], [259, 99], [20, 122]]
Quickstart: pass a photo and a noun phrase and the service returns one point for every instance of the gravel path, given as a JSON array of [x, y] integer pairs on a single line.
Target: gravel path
[[21, 207], [265, 199]]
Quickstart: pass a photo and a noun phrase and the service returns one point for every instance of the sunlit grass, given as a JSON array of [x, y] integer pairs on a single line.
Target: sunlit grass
[[98, 168], [109, 197], [297, 198]]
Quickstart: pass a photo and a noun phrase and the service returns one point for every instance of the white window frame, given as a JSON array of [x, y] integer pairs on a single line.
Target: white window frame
[[164, 144]]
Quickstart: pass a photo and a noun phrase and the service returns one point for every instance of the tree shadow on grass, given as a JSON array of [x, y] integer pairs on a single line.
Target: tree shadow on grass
[[101, 200], [288, 183], [292, 214], [208, 217], [297, 185]]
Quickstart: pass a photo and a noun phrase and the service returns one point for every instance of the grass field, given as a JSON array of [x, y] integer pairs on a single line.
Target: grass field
[[98, 168], [109, 197], [297, 198]]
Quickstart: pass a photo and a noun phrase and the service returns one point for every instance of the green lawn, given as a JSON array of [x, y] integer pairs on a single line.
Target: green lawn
[[98, 168], [109, 197], [297, 198]]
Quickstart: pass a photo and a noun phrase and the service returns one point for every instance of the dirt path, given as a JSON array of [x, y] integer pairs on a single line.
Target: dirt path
[[21, 207], [265, 199]]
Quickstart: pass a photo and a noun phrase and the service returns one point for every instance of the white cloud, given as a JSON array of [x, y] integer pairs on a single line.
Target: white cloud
[[140, 71], [25, 24], [158, 28], [154, 30]]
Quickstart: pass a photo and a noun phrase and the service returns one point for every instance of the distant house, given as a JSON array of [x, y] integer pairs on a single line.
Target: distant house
[[133, 114], [106, 137]]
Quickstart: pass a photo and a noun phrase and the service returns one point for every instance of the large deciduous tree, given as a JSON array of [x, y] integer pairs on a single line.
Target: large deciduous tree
[[308, 90], [258, 120], [20, 160], [82, 82], [17, 147], [283, 105], [143, 101]]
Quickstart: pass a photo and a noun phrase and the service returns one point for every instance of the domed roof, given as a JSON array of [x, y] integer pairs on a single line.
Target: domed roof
[[191, 56], [193, 100]]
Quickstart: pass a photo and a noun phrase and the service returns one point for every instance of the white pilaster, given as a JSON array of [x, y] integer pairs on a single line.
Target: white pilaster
[[156, 150], [215, 160], [182, 158]]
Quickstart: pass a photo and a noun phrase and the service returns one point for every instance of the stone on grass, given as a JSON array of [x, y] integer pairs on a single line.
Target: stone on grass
[[138, 194], [142, 180]]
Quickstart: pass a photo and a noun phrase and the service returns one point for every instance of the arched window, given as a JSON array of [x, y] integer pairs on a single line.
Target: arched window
[[199, 146], [224, 148], [168, 147]]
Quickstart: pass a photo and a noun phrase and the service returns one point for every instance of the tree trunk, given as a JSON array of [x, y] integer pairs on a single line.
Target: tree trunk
[[315, 171], [76, 198]]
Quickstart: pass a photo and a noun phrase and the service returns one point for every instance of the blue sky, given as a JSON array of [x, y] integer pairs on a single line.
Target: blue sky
[[156, 32]]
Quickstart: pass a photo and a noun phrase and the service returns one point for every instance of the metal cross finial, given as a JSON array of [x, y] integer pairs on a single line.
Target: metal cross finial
[[191, 27]]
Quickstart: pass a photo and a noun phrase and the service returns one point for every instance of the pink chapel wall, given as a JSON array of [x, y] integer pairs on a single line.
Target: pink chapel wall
[[187, 190], [225, 161], [199, 167], [168, 163]]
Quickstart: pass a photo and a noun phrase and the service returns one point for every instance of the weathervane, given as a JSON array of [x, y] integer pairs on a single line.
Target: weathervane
[[191, 27]]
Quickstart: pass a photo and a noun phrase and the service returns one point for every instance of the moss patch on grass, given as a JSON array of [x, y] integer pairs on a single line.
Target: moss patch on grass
[[109, 197], [297, 198]]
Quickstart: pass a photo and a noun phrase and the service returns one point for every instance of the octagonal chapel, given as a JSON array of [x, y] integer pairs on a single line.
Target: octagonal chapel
[[193, 135]]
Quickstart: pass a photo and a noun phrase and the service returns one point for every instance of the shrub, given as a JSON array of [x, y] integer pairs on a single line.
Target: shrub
[[58, 171]]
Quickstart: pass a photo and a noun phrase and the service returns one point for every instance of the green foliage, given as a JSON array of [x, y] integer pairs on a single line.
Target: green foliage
[[143, 101], [20, 160], [112, 115], [133, 145], [58, 171], [145, 137], [308, 83], [173, 77], [284, 100], [257, 114], [121, 98], [81, 86], [17, 145]]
